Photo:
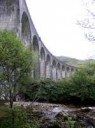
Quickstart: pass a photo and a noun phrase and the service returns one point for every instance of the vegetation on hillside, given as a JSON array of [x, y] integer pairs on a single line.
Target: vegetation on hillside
[[76, 62]]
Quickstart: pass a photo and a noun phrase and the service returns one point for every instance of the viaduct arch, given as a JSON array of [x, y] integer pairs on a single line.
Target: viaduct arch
[[48, 66], [25, 29], [14, 16], [35, 46]]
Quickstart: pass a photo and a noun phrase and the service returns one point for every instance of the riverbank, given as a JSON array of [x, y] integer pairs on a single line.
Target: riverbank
[[85, 116]]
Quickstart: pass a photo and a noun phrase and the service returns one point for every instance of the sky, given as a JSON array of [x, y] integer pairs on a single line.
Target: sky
[[56, 24]]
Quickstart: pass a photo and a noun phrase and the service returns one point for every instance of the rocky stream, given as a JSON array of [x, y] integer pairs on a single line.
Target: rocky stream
[[52, 113]]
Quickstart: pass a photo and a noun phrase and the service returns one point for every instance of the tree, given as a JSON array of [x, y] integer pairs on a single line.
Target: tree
[[88, 23], [16, 64]]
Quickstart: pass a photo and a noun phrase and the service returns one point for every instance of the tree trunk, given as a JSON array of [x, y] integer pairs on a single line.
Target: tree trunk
[[13, 117], [11, 99]]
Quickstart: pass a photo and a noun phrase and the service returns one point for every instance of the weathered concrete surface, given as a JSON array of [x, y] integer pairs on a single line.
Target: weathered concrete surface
[[14, 16]]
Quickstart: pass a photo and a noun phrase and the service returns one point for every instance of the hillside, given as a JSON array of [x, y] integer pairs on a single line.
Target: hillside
[[75, 62]]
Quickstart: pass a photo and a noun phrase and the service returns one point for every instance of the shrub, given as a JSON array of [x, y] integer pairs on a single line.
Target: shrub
[[18, 118], [78, 89]]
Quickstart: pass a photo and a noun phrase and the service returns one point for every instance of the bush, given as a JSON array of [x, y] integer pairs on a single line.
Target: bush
[[78, 89], [18, 118]]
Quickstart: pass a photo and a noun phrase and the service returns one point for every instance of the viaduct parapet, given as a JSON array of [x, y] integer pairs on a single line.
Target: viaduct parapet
[[14, 16]]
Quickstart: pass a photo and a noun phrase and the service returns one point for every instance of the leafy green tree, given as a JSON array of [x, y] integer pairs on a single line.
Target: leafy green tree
[[83, 84], [16, 64]]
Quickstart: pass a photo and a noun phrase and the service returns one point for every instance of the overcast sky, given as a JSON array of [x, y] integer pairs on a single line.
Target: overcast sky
[[55, 22]]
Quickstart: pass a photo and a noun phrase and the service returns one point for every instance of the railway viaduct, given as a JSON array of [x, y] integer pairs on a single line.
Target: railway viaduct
[[14, 16]]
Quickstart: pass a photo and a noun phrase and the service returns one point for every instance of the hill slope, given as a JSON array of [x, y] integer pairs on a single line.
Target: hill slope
[[75, 62]]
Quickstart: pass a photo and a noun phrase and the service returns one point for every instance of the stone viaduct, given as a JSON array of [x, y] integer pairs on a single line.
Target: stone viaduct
[[14, 16]]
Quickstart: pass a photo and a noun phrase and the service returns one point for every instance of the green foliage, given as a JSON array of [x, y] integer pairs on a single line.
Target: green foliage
[[16, 64], [46, 91], [78, 89], [70, 123], [18, 118], [40, 89], [83, 83]]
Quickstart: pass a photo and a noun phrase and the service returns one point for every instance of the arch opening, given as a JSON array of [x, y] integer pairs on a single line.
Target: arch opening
[[63, 68], [68, 71], [48, 59], [42, 63], [25, 29], [58, 66], [63, 71], [36, 72], [58, 71], [48, 67], [35, 45], [54, 63], [42, 53], [54, 70], [72, 71]]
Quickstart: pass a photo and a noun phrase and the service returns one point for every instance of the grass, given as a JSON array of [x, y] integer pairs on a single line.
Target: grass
[[3, 109]]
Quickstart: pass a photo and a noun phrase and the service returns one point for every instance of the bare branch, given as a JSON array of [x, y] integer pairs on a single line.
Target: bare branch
[[85, 24], [90, 37], [91, 13]]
